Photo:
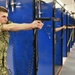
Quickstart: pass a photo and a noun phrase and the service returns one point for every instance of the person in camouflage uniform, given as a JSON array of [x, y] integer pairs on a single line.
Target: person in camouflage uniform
[[3, 47], [6, 26]]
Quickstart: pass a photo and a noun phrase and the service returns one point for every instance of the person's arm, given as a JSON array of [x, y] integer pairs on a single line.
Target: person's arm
[[60, 28], [70, 27], [25, 26]]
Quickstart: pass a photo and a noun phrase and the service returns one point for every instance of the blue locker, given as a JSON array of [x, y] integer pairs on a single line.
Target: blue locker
[[22, 40], [69, 30], [64, 39], [58, 51], [71, 22], [68, 35], [45, 41]]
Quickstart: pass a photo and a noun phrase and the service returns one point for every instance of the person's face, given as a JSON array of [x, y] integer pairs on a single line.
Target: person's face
[[3, 17]]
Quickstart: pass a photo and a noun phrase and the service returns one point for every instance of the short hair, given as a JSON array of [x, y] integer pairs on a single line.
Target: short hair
[[3, 9]]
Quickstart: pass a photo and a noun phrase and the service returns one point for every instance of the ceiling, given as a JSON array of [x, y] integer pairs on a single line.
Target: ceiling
[[70, 4]]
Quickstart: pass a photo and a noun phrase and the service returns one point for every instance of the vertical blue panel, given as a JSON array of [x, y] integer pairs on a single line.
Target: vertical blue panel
[[70, 40], [68, 47], [45, 37], [71, 31], [68, 36], [64, 39], [22, 41], [58, 51], [3, 3]]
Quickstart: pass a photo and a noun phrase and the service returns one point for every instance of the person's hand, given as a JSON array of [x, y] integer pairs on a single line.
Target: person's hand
[[64, 27], [37, 24], [73, 26]]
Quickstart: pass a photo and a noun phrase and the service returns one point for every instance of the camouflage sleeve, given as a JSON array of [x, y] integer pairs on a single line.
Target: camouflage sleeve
[[0, 27], [6, 23]]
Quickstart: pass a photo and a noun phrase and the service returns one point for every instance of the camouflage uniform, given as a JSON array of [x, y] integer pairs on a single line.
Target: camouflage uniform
[[3, 50]]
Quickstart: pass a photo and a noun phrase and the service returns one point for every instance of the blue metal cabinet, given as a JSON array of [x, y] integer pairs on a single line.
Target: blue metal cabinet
[[45, 43], [58, 50], [64, 39], [21, 42]]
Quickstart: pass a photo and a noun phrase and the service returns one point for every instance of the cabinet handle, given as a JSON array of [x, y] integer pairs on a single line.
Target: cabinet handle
[[12, 5], [7, 4]]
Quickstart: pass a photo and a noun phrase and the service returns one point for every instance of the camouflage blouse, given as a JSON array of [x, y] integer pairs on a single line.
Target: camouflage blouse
[[3, 50]]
